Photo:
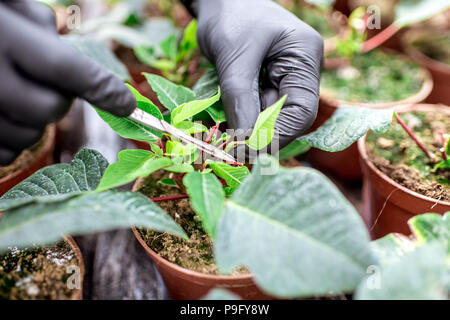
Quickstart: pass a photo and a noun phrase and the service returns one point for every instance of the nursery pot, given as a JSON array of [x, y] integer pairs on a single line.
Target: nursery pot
[[73, 245], [440, 71], [185, 284], [345, 164], [44, 157], [388, 205]]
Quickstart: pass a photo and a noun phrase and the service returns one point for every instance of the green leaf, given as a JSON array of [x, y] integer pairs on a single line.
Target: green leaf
[[346, 126], [431, 227], [408, 12], [189, 127], [132, 164], [180, 168], [169, 48], [130, 129], [206, 87], [169, 94], [100, 53], [417, 275], [391, 248], [221, 294], [264, 128], [294, 231], [188, 43], [207, 198], [189, 109], [81, 175], [147, 56], [295, 148], [233, 176], [40, 223], [168, 182], [156, 150]]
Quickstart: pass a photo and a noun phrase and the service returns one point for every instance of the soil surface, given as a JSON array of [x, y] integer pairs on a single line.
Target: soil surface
[[435, 46], [26, 157], [374, 77], [396, 155], [37, 274], [196, 253]]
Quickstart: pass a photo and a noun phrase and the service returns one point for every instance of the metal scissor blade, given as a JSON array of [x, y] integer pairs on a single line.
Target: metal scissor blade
[[161, 125]]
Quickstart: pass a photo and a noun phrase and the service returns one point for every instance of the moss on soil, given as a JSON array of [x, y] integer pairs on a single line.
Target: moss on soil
[[375, 77], [395, 154], [37, 273], [435, 46], [26, 157]]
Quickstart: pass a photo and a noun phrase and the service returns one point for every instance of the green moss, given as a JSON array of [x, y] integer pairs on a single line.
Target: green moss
[[379, 78]]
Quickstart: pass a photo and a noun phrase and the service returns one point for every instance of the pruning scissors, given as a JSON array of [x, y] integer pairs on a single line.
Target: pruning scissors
[[151, 121]]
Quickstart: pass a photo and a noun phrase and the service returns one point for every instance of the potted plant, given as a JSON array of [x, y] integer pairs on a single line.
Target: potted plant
[[355, 74], [29, 161], [406, 169]]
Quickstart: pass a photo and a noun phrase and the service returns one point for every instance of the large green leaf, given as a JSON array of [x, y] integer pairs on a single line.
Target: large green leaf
[[295, 148], [132, 164], [345, 127], [82, 174], [413, 11], [221, 294], [419, 274], [130, 129], [233, 176], [295, 231], [391, 248], [431, 227], [207, 198], [264, 129], [169, 94], [42, 223], [100, 53], [189, 109]]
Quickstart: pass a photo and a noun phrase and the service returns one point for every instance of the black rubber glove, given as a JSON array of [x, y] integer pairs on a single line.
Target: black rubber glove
[[40, 75], [243, 38]]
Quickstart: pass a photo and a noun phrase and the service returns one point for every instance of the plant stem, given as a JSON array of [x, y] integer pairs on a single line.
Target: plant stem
[[170, 198], [413, 136], [212, 132], [380, 38], [223, 145]]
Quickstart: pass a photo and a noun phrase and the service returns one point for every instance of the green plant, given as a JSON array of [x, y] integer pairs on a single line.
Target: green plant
[[175, 56]]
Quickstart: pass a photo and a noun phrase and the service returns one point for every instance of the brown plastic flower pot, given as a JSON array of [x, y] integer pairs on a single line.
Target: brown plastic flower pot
[[345, 164], [439, 70], [184, 284], [43, 159], [388, 205], [73, 245]]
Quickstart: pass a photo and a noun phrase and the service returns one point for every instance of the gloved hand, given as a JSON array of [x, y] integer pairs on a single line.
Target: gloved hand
[[244, 37], [40, 75]]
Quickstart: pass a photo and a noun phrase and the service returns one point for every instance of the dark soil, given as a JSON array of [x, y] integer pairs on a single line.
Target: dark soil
[[37, 274], [396, 155], [374, 77], [196, 253], [25, 158]]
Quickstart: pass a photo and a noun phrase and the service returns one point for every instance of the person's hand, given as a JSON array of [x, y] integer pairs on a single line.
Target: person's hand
[[262, 52], [40, 75]]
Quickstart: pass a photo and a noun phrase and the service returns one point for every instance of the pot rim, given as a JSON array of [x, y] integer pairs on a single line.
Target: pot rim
[[364, 156], [171, 265], [421, 95], [45, 149], [76, 249], [409, 37]]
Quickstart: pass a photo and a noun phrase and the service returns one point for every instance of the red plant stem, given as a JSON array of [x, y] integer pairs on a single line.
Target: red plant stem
[[413, 136], [161, 145], [170, 198], [223, 145], [444, 155], [380, 38], [212, 132]]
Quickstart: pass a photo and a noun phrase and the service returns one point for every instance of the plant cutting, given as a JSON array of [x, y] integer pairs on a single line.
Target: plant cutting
[[375, 79], [406, 168]]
